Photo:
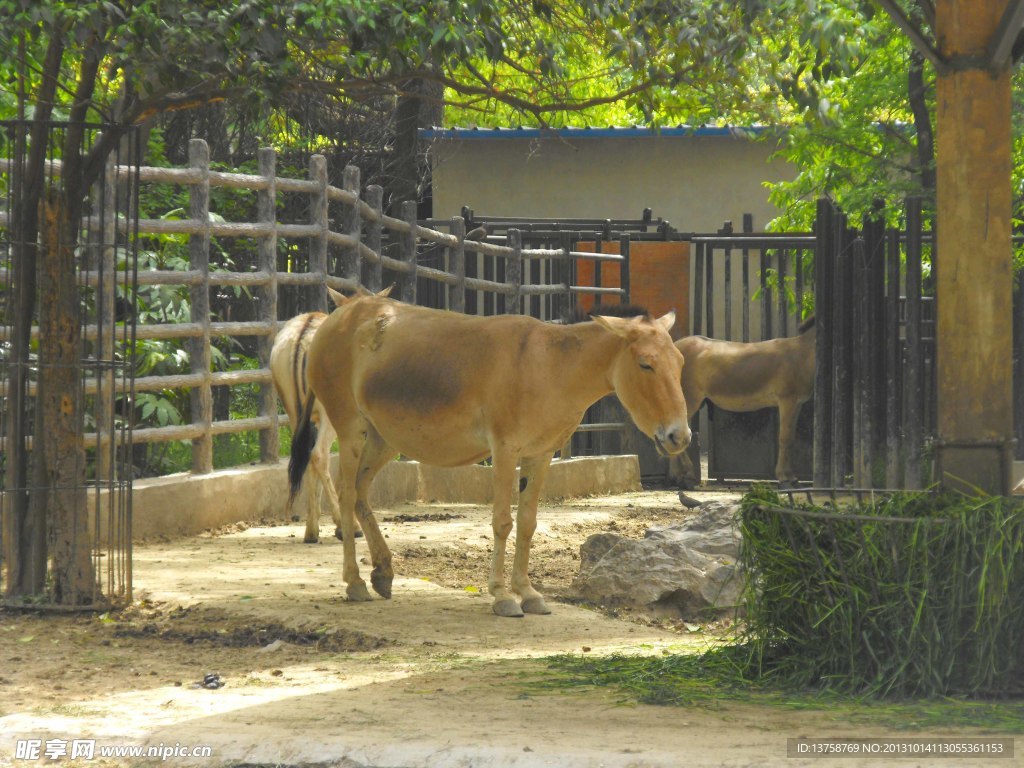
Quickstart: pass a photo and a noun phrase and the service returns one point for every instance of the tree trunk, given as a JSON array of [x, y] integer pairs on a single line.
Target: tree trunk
[[59, 455], [975, 276], [420, 105]]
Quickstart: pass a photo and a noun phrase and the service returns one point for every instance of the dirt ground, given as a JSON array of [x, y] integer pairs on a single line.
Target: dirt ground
[[430, 678]]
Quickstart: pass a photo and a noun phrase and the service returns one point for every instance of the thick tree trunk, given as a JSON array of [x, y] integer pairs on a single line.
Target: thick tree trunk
[[975, 277], [420, 105], [59, 455]]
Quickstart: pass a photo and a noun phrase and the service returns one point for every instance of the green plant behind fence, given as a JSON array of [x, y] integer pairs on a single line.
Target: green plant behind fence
[[914, 595]]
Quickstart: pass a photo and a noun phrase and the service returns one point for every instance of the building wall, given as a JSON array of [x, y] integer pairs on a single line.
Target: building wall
[[694, 182]]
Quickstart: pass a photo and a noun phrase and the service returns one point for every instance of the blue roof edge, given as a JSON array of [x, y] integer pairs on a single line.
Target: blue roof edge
[[591, 133]]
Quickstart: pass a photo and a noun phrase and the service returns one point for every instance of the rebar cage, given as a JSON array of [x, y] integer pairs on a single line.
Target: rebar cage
[[68, 261]]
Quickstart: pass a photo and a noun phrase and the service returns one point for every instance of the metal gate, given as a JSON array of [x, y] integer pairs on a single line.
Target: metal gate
[[67, 345], [749, 286]]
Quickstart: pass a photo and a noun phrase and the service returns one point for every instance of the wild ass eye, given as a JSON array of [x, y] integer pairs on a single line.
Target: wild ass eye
[[646, 365]]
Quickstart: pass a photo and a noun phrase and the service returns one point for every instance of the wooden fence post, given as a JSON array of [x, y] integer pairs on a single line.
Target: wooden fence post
[[372, 271], [914, 392], [824, 255], [407, 280], [514, 273], [861, 372], [351, 259], [842, 279], [199, 261], [893, 364], [457, 266], [266, 307], [319, 218]]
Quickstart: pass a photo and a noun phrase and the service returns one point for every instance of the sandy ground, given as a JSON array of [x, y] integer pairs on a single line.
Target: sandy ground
[[430, 678]]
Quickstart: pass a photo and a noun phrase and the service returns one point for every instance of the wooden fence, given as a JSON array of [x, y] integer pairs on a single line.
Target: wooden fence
[[349, 239]]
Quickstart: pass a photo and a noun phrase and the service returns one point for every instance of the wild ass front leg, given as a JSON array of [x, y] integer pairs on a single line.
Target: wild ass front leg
[[376, 454], [504, 469], [788, 413], [532, 474]]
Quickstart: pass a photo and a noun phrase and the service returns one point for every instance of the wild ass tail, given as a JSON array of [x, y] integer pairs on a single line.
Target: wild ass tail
[[302, 445]]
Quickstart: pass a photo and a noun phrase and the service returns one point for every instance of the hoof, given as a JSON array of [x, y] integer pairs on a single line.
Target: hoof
[[358, 593], [507, 608], [381, 584], [536, 605], [307, 539], [340, 537], [688, 501]]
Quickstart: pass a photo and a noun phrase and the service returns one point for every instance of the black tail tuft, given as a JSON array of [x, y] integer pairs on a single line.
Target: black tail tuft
[[302, 446]]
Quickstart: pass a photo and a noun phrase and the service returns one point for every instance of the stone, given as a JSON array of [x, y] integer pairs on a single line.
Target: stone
[[687, 570]]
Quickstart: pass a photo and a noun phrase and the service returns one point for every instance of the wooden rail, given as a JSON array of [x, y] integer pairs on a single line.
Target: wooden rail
[[358, 250]]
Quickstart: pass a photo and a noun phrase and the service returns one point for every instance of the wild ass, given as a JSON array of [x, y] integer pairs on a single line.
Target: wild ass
[[747, 376], [288, 372], [450, 389]]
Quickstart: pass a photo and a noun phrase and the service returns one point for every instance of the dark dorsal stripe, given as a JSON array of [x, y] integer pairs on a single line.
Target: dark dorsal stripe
[[580, 315]]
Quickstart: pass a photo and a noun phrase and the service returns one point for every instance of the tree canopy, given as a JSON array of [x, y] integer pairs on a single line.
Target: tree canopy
[[844, 85]]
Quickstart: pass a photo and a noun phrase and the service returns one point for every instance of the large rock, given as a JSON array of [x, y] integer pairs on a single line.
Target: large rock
[[686, 570]]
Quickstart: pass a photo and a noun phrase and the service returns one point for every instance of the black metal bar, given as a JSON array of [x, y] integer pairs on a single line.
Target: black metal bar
[[709, 295], [727, 280], [697, 319], [748, 226]]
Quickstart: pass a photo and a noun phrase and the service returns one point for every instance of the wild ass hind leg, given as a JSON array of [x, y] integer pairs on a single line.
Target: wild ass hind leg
[[376, 454], [350, 442], [788, 412], [504, 473], [533, 472], [320, 464]]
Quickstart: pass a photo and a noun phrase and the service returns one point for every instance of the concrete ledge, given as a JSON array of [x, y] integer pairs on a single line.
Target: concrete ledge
[[184, 504]]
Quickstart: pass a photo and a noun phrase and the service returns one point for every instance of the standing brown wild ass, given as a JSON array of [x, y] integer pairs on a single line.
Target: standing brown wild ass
[[288, 372], [450, 389], [747, 376]]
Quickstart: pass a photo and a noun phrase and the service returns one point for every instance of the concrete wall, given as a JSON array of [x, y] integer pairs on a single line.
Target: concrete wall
[[184, 504], [695, 182]]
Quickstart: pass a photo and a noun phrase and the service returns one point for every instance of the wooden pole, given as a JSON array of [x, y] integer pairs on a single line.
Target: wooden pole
[[974, 270], [266, 212], [199, 294]]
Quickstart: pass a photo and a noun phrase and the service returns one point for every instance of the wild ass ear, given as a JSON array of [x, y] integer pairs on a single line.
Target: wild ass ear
[[386, 292], [667, 320], [617, 325], [337, 297]]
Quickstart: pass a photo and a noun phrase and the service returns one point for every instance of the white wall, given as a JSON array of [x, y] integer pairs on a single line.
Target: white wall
[[695, 182]]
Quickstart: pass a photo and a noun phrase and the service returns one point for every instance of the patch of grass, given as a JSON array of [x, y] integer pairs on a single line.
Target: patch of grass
[[712, 679]]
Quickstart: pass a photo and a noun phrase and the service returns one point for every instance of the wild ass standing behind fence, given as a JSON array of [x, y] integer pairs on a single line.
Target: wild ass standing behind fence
[[743, 377]]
